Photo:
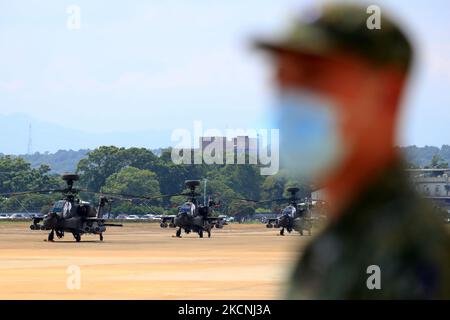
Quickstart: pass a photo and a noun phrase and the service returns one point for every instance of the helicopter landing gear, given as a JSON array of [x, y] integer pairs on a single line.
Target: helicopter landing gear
[[51, 236], [209, 233], [59, 234], [77, 237], [178, 234], [101, 236], [282, 232], [200, 233]]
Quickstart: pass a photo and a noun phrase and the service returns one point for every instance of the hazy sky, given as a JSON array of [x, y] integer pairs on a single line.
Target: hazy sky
[[140, 65]]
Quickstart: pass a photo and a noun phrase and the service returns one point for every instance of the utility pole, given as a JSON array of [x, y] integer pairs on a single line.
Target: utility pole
[[204, 192]]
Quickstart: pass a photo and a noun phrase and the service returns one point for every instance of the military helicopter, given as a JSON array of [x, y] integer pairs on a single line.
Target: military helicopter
[[193, 216], [294, 216], [71, 214]]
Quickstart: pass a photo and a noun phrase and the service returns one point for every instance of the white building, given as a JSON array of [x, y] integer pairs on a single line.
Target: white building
[[433, 184]]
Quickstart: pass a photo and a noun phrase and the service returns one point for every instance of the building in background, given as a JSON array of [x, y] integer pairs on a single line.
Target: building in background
[[240, 145], [433, 184]]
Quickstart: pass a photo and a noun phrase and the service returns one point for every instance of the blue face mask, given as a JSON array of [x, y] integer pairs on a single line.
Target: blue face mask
[[310, 143]]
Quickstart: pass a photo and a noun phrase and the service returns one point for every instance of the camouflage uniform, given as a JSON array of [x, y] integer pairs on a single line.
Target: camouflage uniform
[[390, 226]]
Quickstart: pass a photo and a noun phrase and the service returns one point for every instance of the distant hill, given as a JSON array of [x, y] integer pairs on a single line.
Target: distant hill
[[67, 160], [421, 156], [14, 131], [60, 161], [63, 160]]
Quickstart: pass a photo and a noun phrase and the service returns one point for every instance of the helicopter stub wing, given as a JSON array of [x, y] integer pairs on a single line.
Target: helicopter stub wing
[[13, 194], [214, 219], [104, 224], [165, 219], [271, 220]]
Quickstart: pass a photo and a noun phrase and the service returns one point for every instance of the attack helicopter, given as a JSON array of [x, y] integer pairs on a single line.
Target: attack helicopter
[[193, 216], [71, 214], [295, 216]]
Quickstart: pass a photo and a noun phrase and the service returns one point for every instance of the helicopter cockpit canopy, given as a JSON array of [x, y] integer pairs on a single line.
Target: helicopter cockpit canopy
[[188, 208], [62, 208], [289, 211]]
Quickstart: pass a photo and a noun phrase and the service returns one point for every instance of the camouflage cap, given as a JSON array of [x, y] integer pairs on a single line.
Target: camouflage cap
[[344, 27]]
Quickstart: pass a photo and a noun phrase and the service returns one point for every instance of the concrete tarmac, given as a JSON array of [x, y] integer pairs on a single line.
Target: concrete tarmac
[[143, 261]]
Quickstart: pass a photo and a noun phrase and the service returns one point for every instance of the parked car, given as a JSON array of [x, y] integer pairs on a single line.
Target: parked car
[[18, 216], [4, 216], [227, 218], [132, 217], [150, 217], [121, 216]]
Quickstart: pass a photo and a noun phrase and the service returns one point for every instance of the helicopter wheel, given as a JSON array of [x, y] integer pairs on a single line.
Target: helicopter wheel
[[51, 235], [200, 233], [209, 233], [178, 234], [101, 236], [77, 237], [282, 232]]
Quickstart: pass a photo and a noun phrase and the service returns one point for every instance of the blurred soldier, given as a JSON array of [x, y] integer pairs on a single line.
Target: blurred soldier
[[340, 85]]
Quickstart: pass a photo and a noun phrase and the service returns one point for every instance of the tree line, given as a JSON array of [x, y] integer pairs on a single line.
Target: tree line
[[138, 171]]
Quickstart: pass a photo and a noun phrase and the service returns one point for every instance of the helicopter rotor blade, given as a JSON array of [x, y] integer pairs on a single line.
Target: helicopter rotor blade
[[111, 195], [12, 194], [260, 201], [274, 200], [130, 196], [190, 194]]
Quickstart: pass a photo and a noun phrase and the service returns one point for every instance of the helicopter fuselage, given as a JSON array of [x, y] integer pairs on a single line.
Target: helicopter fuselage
[[76, 218], [77, 225]]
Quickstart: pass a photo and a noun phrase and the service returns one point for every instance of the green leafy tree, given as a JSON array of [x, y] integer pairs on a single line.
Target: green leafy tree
[[133, 181], [437, 162], [140, 158], [241, 209], [16, 175], [273, 187], [99, 165], [137, 182]]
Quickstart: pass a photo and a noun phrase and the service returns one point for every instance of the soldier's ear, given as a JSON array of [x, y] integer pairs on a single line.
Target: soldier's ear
[[393, 84]]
